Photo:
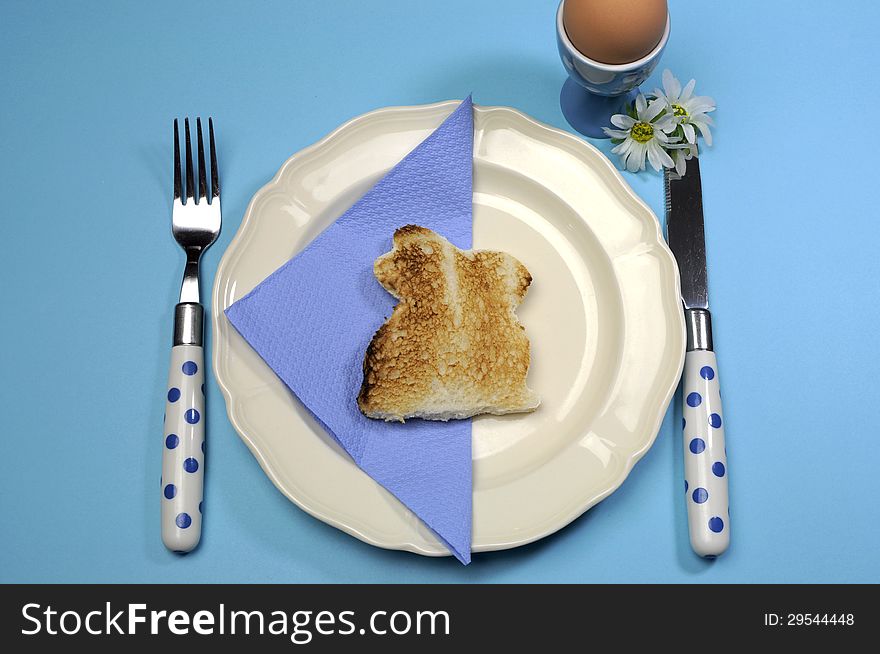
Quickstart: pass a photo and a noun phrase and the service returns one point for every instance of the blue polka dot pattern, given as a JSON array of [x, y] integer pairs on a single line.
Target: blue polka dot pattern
[[685, 485], [683, 423], [697, 445], [705, 472], [183, 460]]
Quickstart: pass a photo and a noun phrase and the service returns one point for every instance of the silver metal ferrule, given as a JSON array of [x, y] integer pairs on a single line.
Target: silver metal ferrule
[[188, 319], [699, 329]]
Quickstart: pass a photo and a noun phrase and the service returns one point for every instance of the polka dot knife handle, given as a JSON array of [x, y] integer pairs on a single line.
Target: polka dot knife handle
[[705, 458], [183, 450]]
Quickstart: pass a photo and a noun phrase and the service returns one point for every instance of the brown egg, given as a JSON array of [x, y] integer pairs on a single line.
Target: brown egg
[[614, 31]]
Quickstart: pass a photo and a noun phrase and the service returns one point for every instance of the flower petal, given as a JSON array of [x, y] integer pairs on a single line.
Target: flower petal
[[625, 157], [680, 162], [666, 123], [635, 160], [689, 133], [641, 104], [704, 130], [615, 133], [654, 110], [672, 85], [700, 104], [643, 155], [687, 92], [662, 156], [623, 148], [653, 157], [623, 121]]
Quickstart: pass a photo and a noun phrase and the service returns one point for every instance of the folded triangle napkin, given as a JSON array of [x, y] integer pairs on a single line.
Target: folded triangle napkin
[[312, 319]]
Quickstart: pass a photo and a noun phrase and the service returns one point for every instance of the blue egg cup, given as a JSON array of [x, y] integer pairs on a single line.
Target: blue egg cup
[[589, 113], [594, 91]]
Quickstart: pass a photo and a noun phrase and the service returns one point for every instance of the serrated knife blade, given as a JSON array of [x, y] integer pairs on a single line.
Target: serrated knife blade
[[705, 455], [684, 232]]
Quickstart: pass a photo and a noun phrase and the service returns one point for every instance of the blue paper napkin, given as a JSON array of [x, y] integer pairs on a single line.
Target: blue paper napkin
[[312, 319]]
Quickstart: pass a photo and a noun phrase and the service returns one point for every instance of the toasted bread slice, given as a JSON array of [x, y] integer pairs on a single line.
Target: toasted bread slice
[[453, 347]]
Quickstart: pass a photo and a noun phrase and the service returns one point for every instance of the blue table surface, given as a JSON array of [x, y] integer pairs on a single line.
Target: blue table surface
[[90, 275]]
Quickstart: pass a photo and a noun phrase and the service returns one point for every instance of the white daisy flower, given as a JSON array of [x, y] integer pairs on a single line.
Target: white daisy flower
[[690, 110], [646, 135]]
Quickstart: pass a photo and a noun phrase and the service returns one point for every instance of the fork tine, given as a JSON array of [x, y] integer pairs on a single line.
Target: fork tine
[[215, 176], [203, 193], [189, 161], [177, 182]]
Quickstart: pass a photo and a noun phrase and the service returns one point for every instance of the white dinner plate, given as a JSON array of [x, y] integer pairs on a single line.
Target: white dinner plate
[[603, 316]]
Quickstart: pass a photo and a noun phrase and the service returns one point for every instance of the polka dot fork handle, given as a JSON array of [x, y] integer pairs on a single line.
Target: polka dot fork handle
[[183, 450], [195, 224], [705, 457]]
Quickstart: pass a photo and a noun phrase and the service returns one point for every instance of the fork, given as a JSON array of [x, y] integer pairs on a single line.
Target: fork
[[195, 223]]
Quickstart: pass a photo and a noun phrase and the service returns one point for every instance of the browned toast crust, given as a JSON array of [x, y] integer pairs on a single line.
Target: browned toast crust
[[453, 346]]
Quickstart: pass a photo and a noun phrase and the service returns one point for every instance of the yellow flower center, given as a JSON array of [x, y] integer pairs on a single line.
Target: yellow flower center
[[678, 110], [642, 132]]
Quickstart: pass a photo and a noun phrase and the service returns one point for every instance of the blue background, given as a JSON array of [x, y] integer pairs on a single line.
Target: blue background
[[90, 275]]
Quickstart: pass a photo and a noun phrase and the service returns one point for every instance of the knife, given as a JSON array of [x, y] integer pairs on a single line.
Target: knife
[[705, 457]]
